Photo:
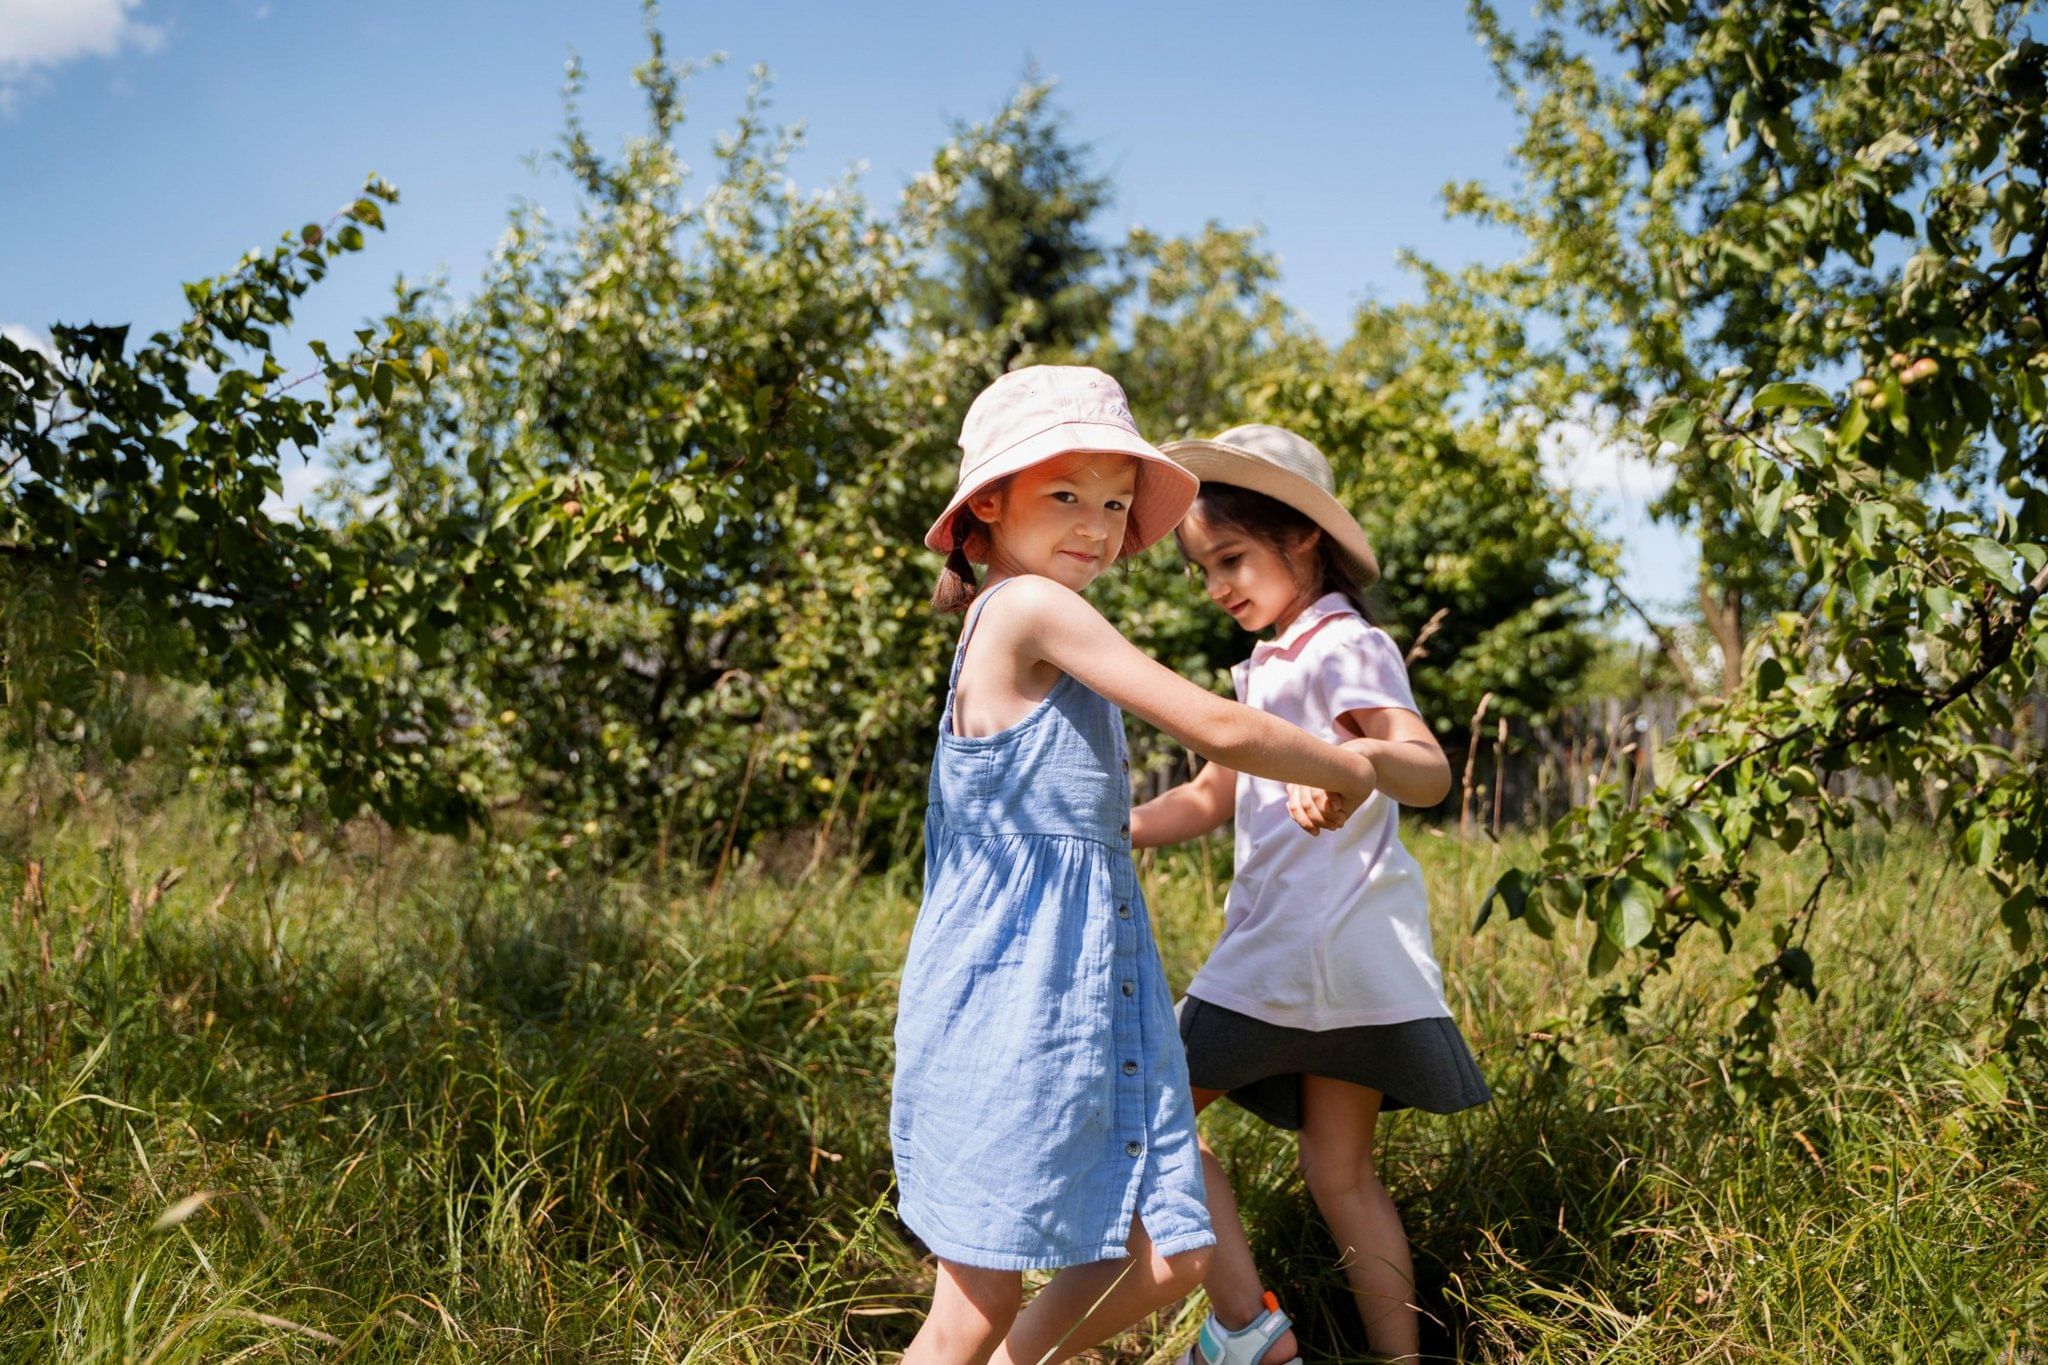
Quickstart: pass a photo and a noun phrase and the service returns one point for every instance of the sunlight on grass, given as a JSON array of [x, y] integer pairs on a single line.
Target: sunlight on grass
[[392, 1099]]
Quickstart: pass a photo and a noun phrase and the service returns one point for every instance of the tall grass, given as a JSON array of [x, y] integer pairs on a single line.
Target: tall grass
[[359, 1098]]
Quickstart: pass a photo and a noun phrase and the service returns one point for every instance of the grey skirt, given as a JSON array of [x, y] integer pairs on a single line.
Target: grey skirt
[[1419, 1063]]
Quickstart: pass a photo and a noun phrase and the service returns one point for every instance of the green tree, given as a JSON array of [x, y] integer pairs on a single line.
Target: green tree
[[554, 579], [1873, 203], [686, 686], [131, 485], [1480, 553], [1018, 244]]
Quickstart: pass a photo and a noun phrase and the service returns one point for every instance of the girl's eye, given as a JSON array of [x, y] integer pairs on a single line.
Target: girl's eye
[[1229, 560], [1064, 496], [1114, 505]]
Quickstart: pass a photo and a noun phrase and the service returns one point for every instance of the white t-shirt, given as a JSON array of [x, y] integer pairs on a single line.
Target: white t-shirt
[[1331, 931]]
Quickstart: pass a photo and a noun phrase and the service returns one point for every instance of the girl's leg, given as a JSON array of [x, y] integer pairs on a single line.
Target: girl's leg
[[1235, 1294], [971, 1310], [1086, 1305], [1336, 1160]]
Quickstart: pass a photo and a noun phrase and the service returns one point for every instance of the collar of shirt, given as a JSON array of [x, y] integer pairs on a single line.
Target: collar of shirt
[[1313, 615]]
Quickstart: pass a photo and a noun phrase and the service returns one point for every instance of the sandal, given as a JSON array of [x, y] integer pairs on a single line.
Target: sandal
[[1218, 1346]]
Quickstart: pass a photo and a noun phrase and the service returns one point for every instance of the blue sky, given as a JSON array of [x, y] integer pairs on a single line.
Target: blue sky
[[147, 142]]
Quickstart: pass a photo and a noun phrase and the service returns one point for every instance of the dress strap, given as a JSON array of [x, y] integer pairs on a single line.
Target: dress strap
[[967, 630]]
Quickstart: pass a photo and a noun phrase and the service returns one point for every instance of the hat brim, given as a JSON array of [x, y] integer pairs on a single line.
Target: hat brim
[[1165, 489], [1217, 462]]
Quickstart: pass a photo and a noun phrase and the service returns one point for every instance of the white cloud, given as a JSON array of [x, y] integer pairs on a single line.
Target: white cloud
[[38, 35], [302, 479], [28, 338], [1615, 484], [1579, 457]]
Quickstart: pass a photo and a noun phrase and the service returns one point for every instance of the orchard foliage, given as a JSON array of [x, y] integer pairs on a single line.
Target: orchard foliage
[[1814, 236], [141, 478], [585, 491], [625, 551], [1480, 554]]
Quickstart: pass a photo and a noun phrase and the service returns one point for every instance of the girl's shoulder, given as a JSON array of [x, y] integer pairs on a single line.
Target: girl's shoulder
[[1034, 615], [1358, 665], [1344, 634], [1033, 593]]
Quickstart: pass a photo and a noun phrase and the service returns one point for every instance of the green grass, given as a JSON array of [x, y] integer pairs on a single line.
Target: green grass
[[371, 1099]]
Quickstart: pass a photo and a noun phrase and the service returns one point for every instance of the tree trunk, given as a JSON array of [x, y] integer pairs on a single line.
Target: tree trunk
[[1721, 609]]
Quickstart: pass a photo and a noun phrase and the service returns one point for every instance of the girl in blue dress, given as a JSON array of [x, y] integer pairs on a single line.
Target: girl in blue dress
[[1041, 1115]]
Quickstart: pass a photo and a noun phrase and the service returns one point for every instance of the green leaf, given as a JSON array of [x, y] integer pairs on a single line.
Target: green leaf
[[1809, 442], [1769, 505], [1855, 423], [1677, 426], [1705, 837], [509, 508], [1771, 397], [1629, 911], [1997, 560], [1796, 966], [1511, 890], [2019, 928], [1982, 841], [1709, 906], [1605, 953]]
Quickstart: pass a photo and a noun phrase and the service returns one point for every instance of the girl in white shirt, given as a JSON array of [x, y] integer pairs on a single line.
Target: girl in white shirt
[[1321, 1004]]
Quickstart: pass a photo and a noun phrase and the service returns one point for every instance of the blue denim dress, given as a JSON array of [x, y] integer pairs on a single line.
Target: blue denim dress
[[1041, 1094]]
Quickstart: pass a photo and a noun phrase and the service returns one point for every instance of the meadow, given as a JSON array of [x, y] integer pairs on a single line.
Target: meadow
[[347, 1095]]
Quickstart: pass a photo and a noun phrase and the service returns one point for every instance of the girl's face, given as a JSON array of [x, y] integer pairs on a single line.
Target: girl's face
[[1255, 584], [1064, 519]]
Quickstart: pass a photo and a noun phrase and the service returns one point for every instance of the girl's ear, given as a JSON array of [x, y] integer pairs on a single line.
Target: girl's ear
[[987, 504], [1304, 549]]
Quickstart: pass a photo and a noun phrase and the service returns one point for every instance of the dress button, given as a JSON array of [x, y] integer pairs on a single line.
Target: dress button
[[1126, 830], [1130, 1068], [1130, 988], [1133, 1148], [1123, 912]]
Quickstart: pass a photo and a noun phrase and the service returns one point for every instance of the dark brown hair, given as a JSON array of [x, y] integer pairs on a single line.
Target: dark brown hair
[[1275, 525], [957, 583]]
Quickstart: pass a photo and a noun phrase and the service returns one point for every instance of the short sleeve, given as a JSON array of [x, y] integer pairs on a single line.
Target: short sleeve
[[1361, 669]]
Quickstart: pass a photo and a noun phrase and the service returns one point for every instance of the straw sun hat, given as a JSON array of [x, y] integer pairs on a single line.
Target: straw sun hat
[[1283, 466], [1041, 412]]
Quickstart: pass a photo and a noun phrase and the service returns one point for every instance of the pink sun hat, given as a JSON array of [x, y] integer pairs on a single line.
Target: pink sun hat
[[1040, 412]]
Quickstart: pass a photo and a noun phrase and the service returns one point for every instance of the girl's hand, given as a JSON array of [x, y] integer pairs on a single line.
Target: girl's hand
[[1315, 809]]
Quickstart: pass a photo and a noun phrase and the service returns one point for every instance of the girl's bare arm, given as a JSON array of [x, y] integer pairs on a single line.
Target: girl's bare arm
[[1188, 811], [1405, 754], [1054, 623]]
